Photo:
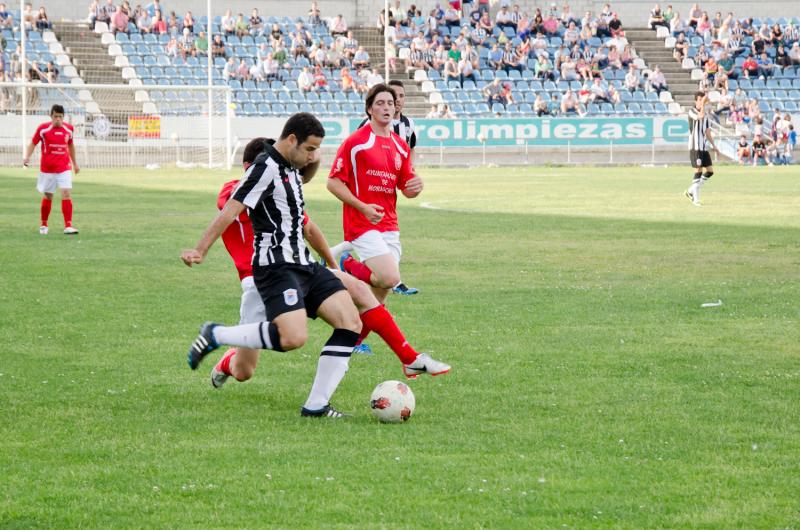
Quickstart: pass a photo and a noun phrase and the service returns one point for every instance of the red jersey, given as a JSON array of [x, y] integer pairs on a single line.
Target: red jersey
[[55, 142], [238, 237], [374, 168]]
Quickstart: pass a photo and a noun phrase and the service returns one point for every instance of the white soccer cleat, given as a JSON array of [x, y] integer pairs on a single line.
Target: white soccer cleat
[[424, 364], [70, 230], [43, 230]]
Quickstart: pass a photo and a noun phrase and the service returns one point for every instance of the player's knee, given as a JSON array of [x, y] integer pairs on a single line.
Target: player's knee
[[293, 338], [352, 322], [387, 280], [243, 373], [708, 174], [361, 294]]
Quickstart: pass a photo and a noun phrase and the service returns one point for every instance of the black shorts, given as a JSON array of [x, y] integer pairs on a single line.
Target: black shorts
[[285, 288], [700, 159]]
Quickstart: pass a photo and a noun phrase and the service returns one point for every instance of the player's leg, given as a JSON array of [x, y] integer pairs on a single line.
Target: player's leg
[[708, 171], [64, 181], [46, 185], [328, 298], [693, 192]]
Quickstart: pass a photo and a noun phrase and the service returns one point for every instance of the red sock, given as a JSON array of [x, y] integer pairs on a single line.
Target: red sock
[[382, 322], [66, 209], [358, 269], [225, 363], [364, 329], [47, 204]]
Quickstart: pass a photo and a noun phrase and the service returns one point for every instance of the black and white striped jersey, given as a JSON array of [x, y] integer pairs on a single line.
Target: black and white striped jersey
[[697, 131], [272, 190], [404, 128]]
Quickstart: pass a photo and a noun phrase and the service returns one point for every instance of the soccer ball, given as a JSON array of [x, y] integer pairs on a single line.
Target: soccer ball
[[392, 402]]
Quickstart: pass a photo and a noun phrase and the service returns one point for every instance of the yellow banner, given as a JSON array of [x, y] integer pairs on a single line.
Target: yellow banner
[[144, 127]]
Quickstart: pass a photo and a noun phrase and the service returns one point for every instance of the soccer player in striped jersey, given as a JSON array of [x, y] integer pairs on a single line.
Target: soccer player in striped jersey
[[700, 138], [291, 285], [56, 166], [403, 126], [238, 239]]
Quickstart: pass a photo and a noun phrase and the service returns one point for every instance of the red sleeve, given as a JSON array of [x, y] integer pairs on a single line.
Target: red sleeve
[[36, 138], [407, 169], [342, 169], [225, 193], [71, 132]]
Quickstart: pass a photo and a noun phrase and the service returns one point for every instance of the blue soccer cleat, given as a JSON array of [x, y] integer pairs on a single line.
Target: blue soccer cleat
[[363, 349], [202, 345], [342, 259], [403, 289]]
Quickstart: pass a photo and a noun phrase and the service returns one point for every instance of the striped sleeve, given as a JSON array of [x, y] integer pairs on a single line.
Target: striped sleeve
[[255, 182]]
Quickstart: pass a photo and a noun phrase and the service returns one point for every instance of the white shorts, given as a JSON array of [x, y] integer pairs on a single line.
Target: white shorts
[[252, 309], [48, 182], [373, 243]]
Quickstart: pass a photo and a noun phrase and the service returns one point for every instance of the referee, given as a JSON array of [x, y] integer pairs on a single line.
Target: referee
[[700, 137]]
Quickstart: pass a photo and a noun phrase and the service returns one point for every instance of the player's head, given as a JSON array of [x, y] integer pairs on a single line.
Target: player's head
[[253, 148], [301, 139], [57, 115], [400, 93], [699, 99], [380, 104]]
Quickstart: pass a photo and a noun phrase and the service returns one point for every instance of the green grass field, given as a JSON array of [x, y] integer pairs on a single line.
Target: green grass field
[[589, 388]]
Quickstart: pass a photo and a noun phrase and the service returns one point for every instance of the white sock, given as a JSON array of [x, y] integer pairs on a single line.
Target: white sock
[[247, 335], [341, 248], [330, 371]]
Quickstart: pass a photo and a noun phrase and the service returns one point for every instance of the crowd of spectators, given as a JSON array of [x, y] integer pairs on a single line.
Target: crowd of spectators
[[734, 54]]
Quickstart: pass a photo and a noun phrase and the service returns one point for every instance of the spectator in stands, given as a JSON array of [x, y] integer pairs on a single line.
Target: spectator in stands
[[171, 48], [550, 26], [201, 44], [143, 20], [503, 19], [452, 17], [615, 26], [466, 70], [695, 14], [361, 58], [765, 65], [743, 150], [28, 18], [314, 15], [320, 80], [338, 26], [506, 95], [227, 23], [50, 73], [255, 24], [511, 60], [493, 92], [347, 82], [584, 69], [373, 78], [495, 57], [710, 67], [599, 92], [727, 65], [230, 70], [570, 104], [782, 59], [677, 25], [158, 26], [119, 21], [613, 59], [305, 81], [218, 46], [704, 26], [721, 80], [657, 81], [349, 45], [750, 67], [760, 150], [42, 22], [569, 70], [540, 106], [7, 19], [450, 71], [434, 113], [173, 24], [242, 28], [657, 18], [543, 69], [186, 43], [188, 22], [794, 53]]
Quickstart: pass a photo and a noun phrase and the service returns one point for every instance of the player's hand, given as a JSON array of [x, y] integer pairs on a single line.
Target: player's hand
[[414, 185], [191, 257], [76, 169], [26, 161], [373, 213]]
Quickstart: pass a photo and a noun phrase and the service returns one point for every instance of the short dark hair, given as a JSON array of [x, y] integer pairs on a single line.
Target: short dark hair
[[57, 109], [253, 148], [699, 94], [374, 91], [396, 82], [302, 125]]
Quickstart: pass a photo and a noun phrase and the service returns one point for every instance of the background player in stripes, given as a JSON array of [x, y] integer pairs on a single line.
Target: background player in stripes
[[55, 168], [238, 239], [292, 286], [700, 137]]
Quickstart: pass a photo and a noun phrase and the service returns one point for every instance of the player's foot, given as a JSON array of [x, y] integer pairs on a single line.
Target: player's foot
[[70, 230], [202, 345], [342, 259], [363, 349], [325, 412], [424, 364], [218, 377], [689, 195], [401, 288], [43, 230]]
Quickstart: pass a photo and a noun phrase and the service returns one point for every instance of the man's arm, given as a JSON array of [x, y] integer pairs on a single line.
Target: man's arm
[[316, 239], [71, 148], [373, 212], [28, 153], [230, 212]]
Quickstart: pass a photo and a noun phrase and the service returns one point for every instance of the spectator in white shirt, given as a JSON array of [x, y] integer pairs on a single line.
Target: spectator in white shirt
[[305, 81]]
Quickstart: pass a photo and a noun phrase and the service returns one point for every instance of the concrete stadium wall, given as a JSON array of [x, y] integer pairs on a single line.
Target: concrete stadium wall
[[364, 12]]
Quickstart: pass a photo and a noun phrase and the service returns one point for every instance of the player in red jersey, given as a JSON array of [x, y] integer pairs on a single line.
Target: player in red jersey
[[55, 169], [370, 166], [238, 239]]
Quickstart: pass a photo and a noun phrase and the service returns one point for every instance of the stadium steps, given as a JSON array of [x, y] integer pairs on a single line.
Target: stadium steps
[[416, 105], [94, 64], [651, 49]]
